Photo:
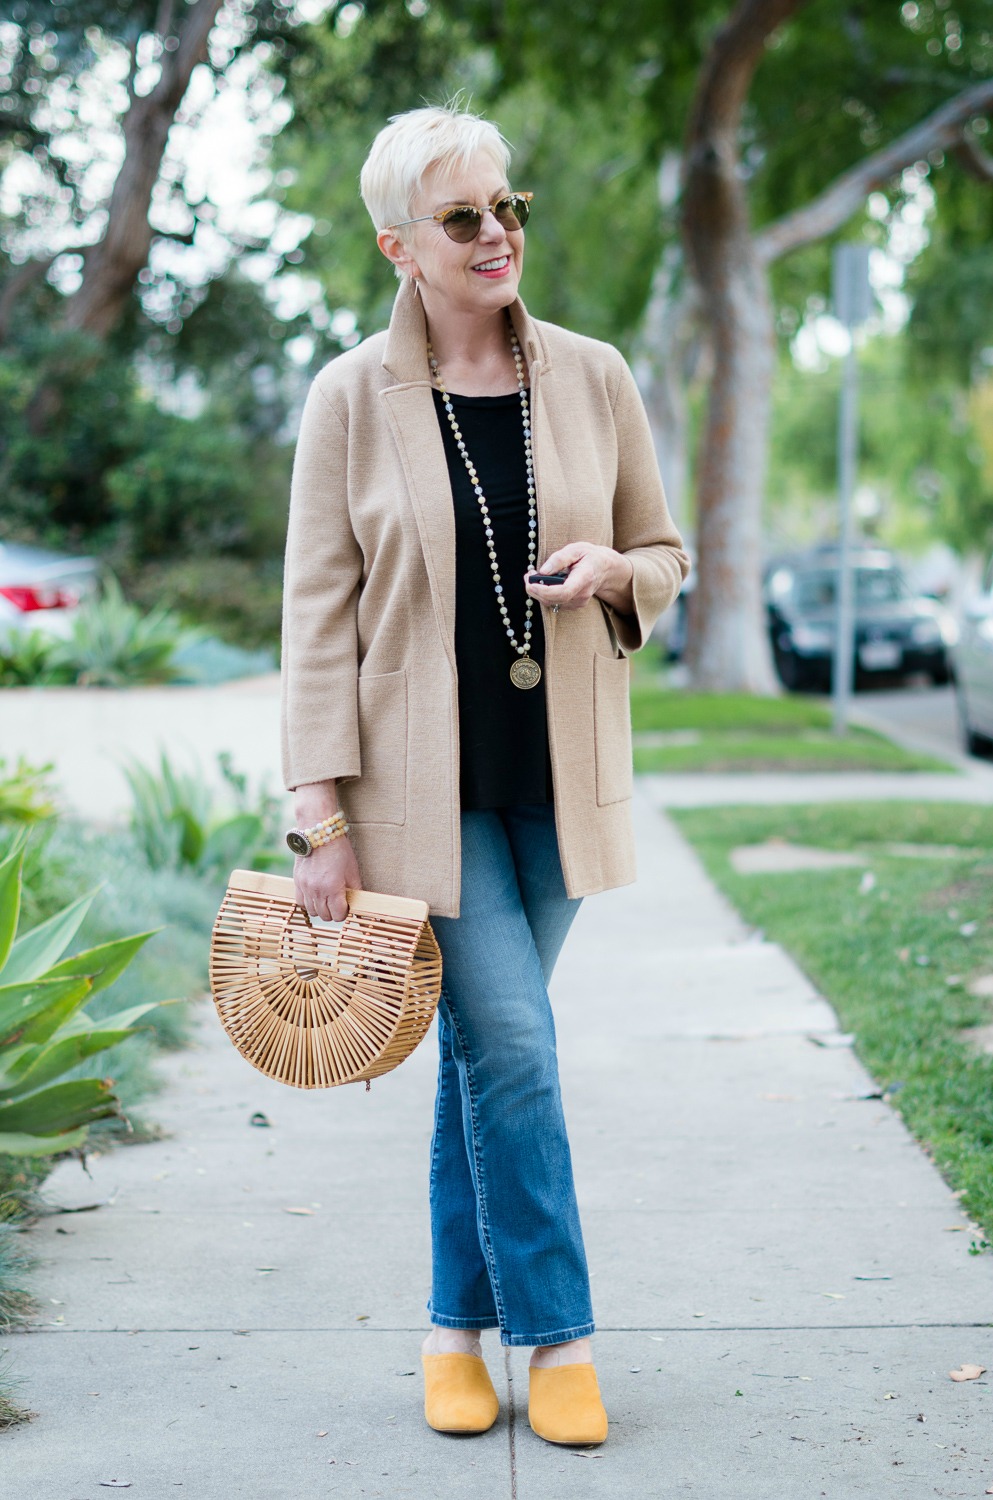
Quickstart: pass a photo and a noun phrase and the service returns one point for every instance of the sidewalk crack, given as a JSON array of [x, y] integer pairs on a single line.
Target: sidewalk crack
[[511, 1424]]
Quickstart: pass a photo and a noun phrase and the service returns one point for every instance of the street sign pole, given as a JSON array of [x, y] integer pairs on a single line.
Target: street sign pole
[[844, 638], [850, 286]]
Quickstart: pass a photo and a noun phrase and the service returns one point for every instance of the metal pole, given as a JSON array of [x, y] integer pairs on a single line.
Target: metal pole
[[852, 301], [844, 645]]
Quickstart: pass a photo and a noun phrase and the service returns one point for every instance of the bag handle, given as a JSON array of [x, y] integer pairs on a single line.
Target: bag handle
[[282, 888]]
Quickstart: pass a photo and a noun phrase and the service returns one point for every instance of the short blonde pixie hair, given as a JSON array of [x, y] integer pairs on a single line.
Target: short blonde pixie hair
[[445, 136]]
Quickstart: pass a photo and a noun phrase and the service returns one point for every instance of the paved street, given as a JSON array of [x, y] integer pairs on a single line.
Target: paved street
[[925, 715], [781, 1278]]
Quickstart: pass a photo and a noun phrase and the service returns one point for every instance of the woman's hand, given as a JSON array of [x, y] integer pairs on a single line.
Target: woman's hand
[[594, 572], [322, 878]]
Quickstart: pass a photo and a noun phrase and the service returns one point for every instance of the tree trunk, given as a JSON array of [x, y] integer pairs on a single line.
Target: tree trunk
[[111, 267], [729, 649], [729, 645], [665, 361]]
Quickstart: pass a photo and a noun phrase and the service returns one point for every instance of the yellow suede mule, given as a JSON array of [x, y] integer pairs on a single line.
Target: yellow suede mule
[[458, 1393], [565, 1407]]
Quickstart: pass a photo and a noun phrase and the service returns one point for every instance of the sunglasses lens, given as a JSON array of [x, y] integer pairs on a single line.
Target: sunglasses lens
[[512, 212], [462, 224]]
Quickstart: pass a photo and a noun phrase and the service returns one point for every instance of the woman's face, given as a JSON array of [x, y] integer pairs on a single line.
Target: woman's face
[[481, 276]]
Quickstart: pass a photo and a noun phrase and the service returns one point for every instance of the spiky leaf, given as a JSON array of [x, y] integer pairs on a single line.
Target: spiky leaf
[[60, 1107], [119, 1019], [37, 950], [31, 1067], [10, 900], [24, 1005], [20, 1144], [105, 962], [230, 842]]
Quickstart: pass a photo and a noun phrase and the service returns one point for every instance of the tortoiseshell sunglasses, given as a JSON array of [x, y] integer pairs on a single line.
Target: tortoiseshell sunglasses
[[462, 222]]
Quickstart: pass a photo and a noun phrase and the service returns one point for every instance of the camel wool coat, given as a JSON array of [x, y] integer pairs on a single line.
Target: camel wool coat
[[369, 680]]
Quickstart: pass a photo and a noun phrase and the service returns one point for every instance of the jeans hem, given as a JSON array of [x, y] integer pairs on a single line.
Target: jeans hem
[[440, 1321], [538, 1340]]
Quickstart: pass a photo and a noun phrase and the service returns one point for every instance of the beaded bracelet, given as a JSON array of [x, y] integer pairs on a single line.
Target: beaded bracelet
[[327, 829], [304, 841]]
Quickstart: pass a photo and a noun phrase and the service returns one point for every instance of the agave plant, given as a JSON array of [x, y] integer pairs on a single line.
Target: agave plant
[[32, 658], [25, 796], [44, 1029], [175, 823], [112, 643]]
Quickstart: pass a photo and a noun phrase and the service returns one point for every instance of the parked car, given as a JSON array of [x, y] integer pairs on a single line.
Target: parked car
[[972, 667], [896, 631], [672, 627], [41, 589]]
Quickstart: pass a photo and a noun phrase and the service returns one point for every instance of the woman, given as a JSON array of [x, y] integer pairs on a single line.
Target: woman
[[471, 723]]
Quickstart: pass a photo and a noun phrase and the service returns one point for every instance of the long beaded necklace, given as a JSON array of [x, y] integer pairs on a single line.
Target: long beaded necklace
[[524, 671]]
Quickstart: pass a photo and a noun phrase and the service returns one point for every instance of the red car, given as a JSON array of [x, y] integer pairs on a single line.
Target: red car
[[41, 589]]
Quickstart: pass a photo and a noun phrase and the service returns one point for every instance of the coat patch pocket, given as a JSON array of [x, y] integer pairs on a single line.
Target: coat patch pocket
[[379, 795], [612, 728]]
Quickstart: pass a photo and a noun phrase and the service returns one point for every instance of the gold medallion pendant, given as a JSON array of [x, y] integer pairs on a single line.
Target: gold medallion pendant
[[525, 673]]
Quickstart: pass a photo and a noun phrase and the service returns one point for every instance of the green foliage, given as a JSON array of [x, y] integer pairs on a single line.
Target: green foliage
[[112, 643], [893, 960], [951, 325], [61, 862], [182, 486], [32, 658], [923, 450], [238, 597], [835, 82], [594, 234], [44, 1030], [117, 474], [25, 794], [54, 481], [176, 824], [14, 1266]]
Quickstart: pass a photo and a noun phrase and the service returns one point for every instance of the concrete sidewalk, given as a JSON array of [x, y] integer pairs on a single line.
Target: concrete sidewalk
[[781, 1278]]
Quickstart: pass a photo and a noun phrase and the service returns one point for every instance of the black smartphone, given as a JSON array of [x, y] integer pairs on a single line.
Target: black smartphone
[[547, 577]]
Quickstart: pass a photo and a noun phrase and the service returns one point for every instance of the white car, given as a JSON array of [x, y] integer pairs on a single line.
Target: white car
[[41, 589], [972, 664]]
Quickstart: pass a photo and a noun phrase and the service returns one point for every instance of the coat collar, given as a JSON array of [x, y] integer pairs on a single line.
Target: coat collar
[[405, 355], [409, 410]]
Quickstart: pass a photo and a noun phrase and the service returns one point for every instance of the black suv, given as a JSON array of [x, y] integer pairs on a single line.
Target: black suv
[[896, 631]]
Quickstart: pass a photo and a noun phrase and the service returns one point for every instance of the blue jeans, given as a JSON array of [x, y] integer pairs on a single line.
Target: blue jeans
[[507, 1247]]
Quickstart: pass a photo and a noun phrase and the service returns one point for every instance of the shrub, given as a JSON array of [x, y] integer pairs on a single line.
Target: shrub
[[240, 598], [113, 644], [175, 821], [25, 796], [44, 1029], [31, 658]]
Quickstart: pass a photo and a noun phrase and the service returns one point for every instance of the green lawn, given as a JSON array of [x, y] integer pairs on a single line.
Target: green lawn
[[893, 960], [654, 706], [735, 732]]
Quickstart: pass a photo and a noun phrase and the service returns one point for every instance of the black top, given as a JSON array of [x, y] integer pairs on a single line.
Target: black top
[[503, 731]]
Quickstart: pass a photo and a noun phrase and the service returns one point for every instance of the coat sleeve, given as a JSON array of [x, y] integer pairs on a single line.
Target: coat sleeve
[[642, 527], [322, 578]]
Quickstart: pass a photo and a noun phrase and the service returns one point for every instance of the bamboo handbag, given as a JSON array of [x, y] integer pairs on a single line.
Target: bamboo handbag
[[317, 1006]]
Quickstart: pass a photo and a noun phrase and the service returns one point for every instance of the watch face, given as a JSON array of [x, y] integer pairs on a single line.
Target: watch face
[[298, 842]]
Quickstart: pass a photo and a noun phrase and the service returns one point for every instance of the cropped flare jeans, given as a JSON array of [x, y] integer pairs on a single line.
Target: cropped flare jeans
[[507, 1247]]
